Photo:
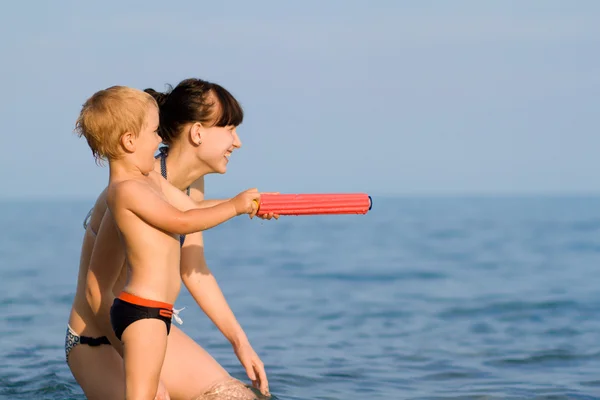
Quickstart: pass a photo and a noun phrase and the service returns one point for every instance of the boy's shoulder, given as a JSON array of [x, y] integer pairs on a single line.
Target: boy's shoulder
[[153, 177], [156, 177], [123, 185], [130, 189]]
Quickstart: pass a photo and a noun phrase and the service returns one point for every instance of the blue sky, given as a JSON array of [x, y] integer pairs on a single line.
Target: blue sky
[[387, 97]]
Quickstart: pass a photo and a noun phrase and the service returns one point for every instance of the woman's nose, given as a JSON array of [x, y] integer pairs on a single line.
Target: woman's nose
[[236, 140]]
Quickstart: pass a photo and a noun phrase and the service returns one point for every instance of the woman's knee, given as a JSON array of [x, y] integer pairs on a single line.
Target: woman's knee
[[229, 388]]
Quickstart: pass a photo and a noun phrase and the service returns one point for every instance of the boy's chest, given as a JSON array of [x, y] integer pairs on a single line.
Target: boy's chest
[[156, 188]]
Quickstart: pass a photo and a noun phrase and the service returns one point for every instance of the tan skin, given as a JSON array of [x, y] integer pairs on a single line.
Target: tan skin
[[188, 370]]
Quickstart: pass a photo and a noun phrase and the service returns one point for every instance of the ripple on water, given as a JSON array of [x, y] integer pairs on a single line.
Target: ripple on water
[[546, 358]]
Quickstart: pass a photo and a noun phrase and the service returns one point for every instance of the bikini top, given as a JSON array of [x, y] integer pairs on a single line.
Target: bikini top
[[163, 171]]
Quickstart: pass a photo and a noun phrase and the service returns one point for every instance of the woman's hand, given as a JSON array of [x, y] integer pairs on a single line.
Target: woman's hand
[[269, 215], [254, 367]]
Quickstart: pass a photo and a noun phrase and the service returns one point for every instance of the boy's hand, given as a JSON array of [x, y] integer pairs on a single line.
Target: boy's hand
[[247, 202]]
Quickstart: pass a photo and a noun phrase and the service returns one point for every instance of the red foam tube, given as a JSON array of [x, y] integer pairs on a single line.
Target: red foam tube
[[315, 204]]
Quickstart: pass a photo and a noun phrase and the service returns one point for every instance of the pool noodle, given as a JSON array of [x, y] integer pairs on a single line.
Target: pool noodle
[[315, 204]]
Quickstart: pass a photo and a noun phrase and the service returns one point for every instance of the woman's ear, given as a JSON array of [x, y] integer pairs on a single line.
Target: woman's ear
[[196, 131], [128, 142]]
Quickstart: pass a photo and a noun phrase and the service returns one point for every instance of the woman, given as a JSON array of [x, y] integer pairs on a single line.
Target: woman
[[198, 121]]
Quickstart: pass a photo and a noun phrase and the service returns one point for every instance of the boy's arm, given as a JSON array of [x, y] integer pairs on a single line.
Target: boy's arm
[[142, 201], [210, 203], [197, 194], [106, 263]]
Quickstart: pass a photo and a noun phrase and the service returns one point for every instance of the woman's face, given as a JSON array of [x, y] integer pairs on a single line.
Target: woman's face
[[216, 145]]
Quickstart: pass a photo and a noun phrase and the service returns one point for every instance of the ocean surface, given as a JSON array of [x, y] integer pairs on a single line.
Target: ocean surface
[[440, 298]]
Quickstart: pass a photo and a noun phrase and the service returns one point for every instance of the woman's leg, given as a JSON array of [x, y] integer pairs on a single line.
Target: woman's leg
[[188, 370], [99, 371]]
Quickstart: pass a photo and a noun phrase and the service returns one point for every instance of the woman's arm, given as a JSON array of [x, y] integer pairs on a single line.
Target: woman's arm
[[201, 283], [106, 264], [204, 288], [197, 194]]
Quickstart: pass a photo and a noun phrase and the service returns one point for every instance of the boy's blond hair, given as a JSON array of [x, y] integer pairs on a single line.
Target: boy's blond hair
[[110, 113]]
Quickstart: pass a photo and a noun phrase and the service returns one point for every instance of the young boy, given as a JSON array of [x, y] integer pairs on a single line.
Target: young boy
[[120, 125]]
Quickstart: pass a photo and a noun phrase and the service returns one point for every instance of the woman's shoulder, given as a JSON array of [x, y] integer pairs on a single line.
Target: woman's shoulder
[[196, 191]]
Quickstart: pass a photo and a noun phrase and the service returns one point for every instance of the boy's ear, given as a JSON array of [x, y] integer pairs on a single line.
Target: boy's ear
[[128, 142], [196, 133]]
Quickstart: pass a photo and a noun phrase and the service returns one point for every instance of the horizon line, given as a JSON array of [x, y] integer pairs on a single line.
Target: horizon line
[[405, 195]]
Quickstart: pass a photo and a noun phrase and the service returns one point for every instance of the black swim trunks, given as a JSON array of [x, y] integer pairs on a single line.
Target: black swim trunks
[[129, 308]]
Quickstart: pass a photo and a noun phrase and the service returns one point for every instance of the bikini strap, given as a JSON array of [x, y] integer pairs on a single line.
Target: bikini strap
[[163, 171], [86, 220], [163, 164]]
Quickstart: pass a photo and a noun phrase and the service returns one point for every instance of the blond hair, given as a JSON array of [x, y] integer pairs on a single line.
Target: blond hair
[[110, 113]]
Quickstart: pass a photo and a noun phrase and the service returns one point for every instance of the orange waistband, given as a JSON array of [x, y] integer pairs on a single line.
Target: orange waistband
[[132, 298]]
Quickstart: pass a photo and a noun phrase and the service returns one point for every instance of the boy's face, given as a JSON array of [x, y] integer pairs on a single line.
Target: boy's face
[[148, 140]]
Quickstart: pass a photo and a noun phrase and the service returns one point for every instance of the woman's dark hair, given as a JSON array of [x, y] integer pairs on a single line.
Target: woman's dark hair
[[195, 100]]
